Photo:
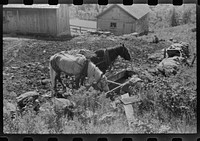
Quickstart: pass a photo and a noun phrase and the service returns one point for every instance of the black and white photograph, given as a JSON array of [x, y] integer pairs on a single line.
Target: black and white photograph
[[99, 69]]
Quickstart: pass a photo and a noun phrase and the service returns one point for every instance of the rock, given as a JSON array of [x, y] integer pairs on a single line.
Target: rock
[[10, 109], [157, 56], [62, 102], [169, 66], [45, 81]]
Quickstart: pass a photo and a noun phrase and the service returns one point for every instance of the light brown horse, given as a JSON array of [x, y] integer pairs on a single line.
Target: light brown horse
[[73, 65]]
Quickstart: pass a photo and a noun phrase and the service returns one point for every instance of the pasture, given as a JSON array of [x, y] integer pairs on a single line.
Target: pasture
[[85, 23], [77, 26], [168, 104]]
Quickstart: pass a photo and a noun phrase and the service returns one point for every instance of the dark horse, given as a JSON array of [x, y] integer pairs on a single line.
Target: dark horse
[[106, 57]]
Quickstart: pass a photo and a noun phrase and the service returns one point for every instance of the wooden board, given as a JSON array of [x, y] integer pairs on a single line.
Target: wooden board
[[130, 100], [128, 110], [117, 76]]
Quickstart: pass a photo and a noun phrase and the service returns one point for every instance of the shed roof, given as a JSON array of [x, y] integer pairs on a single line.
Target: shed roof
[[136, 10], [39, 6]]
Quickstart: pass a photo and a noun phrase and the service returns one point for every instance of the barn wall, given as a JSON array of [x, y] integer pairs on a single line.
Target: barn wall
[[39, 21], [142, 24], [63, 25], [125, 23]]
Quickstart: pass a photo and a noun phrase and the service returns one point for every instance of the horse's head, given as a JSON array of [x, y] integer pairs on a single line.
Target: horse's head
[[102, 83], [124, 52], [96, 78]]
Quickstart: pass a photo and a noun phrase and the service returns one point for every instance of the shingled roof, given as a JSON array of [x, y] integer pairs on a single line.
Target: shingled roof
[[136, 10], [39, 6]]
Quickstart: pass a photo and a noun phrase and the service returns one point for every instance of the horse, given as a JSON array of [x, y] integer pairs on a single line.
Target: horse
[[105, 57], [76, 65]]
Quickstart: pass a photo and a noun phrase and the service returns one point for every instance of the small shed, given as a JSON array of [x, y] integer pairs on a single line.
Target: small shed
[[36, 19], [120, 19]]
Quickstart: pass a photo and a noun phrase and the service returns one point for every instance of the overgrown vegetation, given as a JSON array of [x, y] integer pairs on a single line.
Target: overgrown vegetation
[[168, 104]]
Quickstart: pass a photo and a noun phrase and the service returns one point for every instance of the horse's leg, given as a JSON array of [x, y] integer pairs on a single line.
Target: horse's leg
[[53, 79], [82, 80], [67, 77], [59, 79], [77, 80], [73, 82]]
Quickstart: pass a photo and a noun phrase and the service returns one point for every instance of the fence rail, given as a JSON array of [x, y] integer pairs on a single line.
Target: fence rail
[[81, 28]]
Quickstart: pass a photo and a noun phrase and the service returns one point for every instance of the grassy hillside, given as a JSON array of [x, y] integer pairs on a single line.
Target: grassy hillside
[[159, 17], [168, 104], [178, 33]]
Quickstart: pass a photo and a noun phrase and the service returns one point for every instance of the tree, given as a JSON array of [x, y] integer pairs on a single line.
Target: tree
[[186, 16], [174, 21]]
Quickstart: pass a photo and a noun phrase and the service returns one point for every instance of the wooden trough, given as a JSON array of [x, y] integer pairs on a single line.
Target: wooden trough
[[119, 84]]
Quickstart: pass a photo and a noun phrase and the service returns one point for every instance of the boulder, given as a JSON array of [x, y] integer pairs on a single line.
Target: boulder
[[170, 65], [157, 56], [9, 109]]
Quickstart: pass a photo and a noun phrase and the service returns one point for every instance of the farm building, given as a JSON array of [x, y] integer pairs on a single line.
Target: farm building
[[36, 19], [120, 19]]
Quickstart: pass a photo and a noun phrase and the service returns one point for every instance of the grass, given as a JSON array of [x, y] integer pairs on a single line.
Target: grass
[[168, 105], [163, 109], [84, 23]]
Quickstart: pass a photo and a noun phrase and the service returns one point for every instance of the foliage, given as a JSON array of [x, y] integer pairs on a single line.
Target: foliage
[[168, 105], [174, 21], [161, 15]]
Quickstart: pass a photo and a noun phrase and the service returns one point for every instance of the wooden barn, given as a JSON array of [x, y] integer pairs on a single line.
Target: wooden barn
[[41, 19], [120, 19]]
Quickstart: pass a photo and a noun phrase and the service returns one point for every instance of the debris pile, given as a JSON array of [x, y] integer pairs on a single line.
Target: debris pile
[[28, 99], [171, 58]]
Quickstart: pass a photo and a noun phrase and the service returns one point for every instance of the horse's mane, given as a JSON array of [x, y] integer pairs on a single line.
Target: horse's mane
[[93, 69]]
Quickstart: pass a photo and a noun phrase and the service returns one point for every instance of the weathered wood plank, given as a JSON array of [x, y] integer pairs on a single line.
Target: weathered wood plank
[[130, 100], [117, 76], [128, 110], [109, 81]]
